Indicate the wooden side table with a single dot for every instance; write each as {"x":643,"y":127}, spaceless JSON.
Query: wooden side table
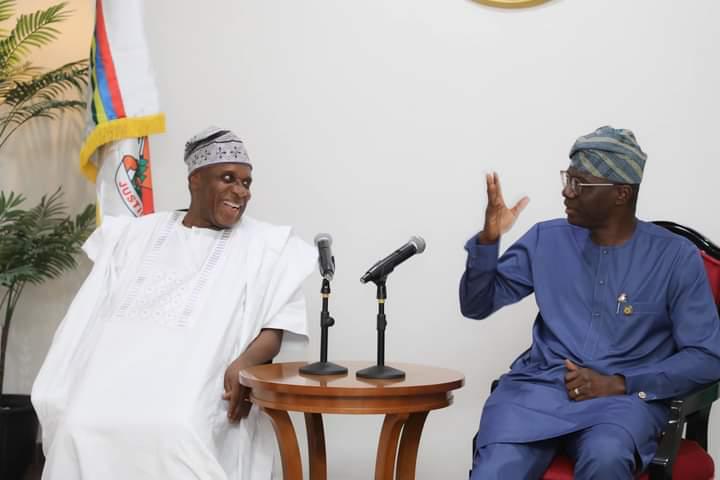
{"x":280,"y":388}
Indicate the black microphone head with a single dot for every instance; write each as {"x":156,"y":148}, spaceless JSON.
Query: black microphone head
{"x":324,"y":238}
{"x":326,"y":262}
{"x":418,"y":242}
{"x":381,"y":269}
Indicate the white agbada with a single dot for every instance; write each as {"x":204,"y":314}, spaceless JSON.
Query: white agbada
{"x":132,"y":385}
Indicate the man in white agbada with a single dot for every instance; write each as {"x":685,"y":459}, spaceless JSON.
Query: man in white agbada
{"x":141,"y":380}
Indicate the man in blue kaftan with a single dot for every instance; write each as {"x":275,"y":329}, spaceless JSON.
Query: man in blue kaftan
{"x":626,"y":321}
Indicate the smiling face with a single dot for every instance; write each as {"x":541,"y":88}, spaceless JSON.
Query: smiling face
{"x":219,"y":195}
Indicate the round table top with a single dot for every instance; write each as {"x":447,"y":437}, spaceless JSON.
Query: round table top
{"x":286,"y":378}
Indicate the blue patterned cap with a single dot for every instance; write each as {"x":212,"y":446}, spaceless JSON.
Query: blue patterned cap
{"x":214,"y":145}
{"x":609,"y":153}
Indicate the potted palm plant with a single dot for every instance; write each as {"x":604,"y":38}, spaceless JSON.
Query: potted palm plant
{"x":35,"y":245}
{"x":39,"y":243}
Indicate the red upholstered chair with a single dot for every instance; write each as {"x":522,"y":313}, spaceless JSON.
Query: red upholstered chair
{"x":682,"y":458}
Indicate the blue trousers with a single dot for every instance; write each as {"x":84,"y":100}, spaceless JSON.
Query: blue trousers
{"x":601,"y":452}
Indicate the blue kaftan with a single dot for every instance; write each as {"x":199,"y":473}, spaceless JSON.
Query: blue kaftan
{"x":664,"y":338}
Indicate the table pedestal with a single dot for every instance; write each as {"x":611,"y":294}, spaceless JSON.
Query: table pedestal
{"x":279,"y":388}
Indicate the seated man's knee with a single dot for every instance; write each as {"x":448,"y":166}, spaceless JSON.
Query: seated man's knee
{"x":608,"y":453}
{"x":513,"y":460}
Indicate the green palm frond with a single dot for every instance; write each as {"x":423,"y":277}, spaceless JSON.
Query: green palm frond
{"x":44,"y":109}
{"x":43,"y":217}
{"x":40,"y":243}
{"x":9,"y":202}
{"x":25,"y":91}
{"x":9,"y":207}
{"x":7,"y":7}
{"x":31,"y":30}
{"x":50,"y":85}
{"x":57,"y":252}
{"x":36,"y":98}
{"x":22,"y":72}
{"x":14,"y":275}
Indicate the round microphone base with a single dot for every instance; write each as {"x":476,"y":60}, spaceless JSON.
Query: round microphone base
{"x":323,"y":368}
{"x":382,"y":372}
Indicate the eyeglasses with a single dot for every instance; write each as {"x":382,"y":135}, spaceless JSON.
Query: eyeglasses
{"x":576,"y":185}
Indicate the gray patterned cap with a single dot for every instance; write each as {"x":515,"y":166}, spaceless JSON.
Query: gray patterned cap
{"x":609,"y":153}
{"x":214,"y":145}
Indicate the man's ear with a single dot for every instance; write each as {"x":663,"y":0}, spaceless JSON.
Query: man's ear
{"x":624,"y":195}
{"x":194,"y":181}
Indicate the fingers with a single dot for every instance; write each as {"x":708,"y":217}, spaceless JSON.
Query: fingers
{"x":233,"y":405}
{"x":496,"y":180}
{"x":227,"y":385}
{"x":577,"y":382}
{"x":571,"y":375}
{"x":570,"y":365}
{"x":581,"y":392}
{"x":245,"y":403}
{"x":580,"y":383}
{"x":242,"y":405}
{"x":227,"y":388}
{"x":492,"y":188}
{"x":498,"y":217}
{"x":582,"y":397}
{"x":495,"y":195}
{"x":576,"y":377}
{"x":520,"y":206}
{"x":490,"y":180}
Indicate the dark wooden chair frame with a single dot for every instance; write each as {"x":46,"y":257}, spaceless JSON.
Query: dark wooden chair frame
{"x":691,"y":412}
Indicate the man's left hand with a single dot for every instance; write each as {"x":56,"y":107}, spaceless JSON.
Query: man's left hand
{"x":584,"y":383}
{"x":236,"y":394}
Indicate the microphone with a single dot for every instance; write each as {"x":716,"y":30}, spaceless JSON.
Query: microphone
{"x":326,"y":262}
{"x":382,"y":268}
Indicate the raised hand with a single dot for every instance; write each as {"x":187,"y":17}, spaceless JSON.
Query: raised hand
{"x":584,"y":383}
{"x":498,"y":217}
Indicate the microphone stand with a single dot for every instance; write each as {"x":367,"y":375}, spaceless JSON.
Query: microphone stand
{"x":323,"y":367}
{"x":381,"y":371}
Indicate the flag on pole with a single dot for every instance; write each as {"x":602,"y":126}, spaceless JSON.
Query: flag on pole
{"x":124,"y":111}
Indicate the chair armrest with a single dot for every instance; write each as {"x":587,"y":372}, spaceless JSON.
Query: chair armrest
{"x":693,"y":408}
{"x":681,"y":408}
{"x":661,"y":466}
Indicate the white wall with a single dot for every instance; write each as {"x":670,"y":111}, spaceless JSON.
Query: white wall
{"x":376,"y":120}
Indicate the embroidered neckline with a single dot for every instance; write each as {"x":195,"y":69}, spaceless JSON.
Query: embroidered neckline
{"x":212,"y":260}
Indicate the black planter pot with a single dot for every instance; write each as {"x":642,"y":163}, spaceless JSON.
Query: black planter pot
{"x":18,"y":433}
